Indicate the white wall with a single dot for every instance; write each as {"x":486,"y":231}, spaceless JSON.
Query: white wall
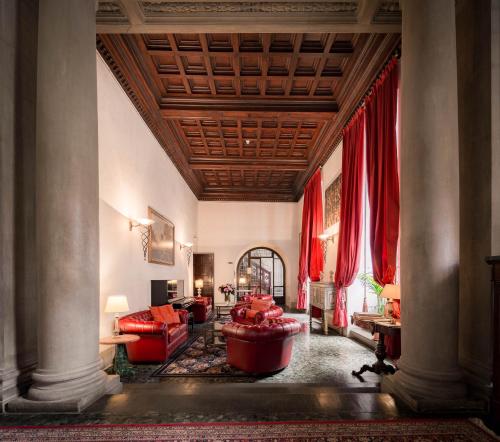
{"x":229,"y":229}
{"x":134,"y":173}
{"x":331,"y":170}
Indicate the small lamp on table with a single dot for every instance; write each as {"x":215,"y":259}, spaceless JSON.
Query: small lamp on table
{"x":390,"y":292}
{"x":116,"y":304}
{"x":198,"y":284}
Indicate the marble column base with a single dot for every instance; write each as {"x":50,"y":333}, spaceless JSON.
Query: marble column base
{"x":395,"y":385}
{"x":111,"y":385}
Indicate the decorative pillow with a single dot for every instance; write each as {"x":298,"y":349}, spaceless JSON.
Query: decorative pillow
{"x":250,"y":314}
{"x":157,"y":314}
{"x":165,"y":313}
{"x":261,"y":305}
{"x":170,"y":315}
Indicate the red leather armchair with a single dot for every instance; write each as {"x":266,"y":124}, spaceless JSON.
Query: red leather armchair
{"x":239,"y":313}
{"x":158,"y":340}
{"x":202,"y":308}
{"x":261,"y":348}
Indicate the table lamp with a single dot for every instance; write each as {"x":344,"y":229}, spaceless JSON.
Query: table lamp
{"x":198,"y":284}
{"x":390,"y":292}
{"x":116,"y":304}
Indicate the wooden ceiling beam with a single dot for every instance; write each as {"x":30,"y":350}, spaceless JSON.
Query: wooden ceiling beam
{"x":248,"y":105}
{"x":246,"y":164}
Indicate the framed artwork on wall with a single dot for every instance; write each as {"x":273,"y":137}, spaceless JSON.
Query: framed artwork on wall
{"x":332,"y":202}
{"x":161,"y":246}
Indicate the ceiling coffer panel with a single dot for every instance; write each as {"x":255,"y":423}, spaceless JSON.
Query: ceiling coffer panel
{"x":246,"y":116}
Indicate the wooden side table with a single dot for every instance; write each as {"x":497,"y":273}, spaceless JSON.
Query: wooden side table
{"x":380,"y":367}
{"x":121,"y":366}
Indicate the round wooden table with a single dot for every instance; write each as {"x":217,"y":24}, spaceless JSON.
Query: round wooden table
{"x":121,"y":366}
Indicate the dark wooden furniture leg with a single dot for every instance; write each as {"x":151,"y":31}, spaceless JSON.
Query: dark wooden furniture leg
{"x":379,"y":367}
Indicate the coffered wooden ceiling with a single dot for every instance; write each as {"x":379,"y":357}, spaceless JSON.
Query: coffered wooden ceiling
{"x":246,"y":116}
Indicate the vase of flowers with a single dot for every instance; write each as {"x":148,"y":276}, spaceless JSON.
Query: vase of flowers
{"x":227,"y":290}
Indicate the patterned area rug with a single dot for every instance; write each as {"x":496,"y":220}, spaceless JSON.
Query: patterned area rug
{"x":196,"y":360}
{"x":358,"y":431}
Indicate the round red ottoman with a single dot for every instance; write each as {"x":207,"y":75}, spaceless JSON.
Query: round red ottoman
{"x":260,"y":348}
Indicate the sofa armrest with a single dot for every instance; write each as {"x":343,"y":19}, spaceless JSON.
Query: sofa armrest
{"x":184,"y":315}
{"x":142,"y":327}
{"x":238,"y":312}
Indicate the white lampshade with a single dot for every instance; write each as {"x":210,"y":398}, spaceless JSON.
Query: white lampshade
{"x":198,"y":283}
{"x":242,"y":280}
{"x":391,"y":291}
{"x":116,"y":304}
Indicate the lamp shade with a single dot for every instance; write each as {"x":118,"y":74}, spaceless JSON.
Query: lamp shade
{"x":242,"y":280}
{"x":198,"y":283}
{"x":116,"y":304}
{"x":391,"y":291}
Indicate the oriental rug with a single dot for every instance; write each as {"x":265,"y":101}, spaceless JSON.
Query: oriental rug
{"x":308,"y":431}
{"x":200,"y":361}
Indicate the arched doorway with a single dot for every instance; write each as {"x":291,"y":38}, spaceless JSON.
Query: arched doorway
{"x":262,"y":270}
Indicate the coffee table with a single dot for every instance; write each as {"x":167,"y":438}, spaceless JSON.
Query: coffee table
{"x":213,"y":337}
{"x":224,"y":309}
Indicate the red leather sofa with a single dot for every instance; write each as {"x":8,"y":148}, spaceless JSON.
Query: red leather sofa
{"x":202,"y":308}
{"x":261,"y":348}
{"x":158,"y":340}
{"x":238,"y":314}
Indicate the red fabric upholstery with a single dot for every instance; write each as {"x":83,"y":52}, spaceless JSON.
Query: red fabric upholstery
{"x":351,"y":213}
{"x":239,"y":314}
{"x":261,"y":348}
{"x":311,"y":252}
{"x":202,"y":308}
{"x":158,"y":340}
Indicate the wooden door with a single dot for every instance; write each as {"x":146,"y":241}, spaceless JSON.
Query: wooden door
{"x":203,"y":268}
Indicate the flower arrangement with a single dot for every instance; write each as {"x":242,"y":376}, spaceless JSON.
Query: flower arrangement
{"x":227,"y":290}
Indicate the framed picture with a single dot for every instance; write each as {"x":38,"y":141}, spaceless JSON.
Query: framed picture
{"x":161,"y":247}
{"x":332,"y":202}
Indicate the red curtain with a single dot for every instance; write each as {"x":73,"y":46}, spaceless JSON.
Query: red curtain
{"x":351,"y":212}
{"x":382,"y":174}
{"x":311,"y":254}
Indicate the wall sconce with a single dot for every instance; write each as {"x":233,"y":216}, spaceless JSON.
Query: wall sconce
{"x":189,"y":250}
{"x":328,"y":235}
{"x":143,"y":225}
{"x":198,"y":285}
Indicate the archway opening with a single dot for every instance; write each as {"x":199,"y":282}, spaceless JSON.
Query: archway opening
{"x":262,"y":270}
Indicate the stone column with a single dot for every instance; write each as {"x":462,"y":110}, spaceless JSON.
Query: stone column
{"x":69,"y":375}
{"x":429,"y":372}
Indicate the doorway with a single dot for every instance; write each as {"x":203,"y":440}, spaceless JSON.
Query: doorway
{"x":262,"y":270}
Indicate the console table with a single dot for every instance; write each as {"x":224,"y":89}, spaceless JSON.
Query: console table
{"x":322,"y":300}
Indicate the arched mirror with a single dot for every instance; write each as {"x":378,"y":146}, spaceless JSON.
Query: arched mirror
{"x":261,"y":270}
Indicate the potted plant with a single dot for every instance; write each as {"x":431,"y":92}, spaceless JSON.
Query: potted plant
{"x":227,"y":290}
{"x":373,"y":287}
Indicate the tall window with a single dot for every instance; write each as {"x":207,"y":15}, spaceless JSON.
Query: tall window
{"x":261,"y":270}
